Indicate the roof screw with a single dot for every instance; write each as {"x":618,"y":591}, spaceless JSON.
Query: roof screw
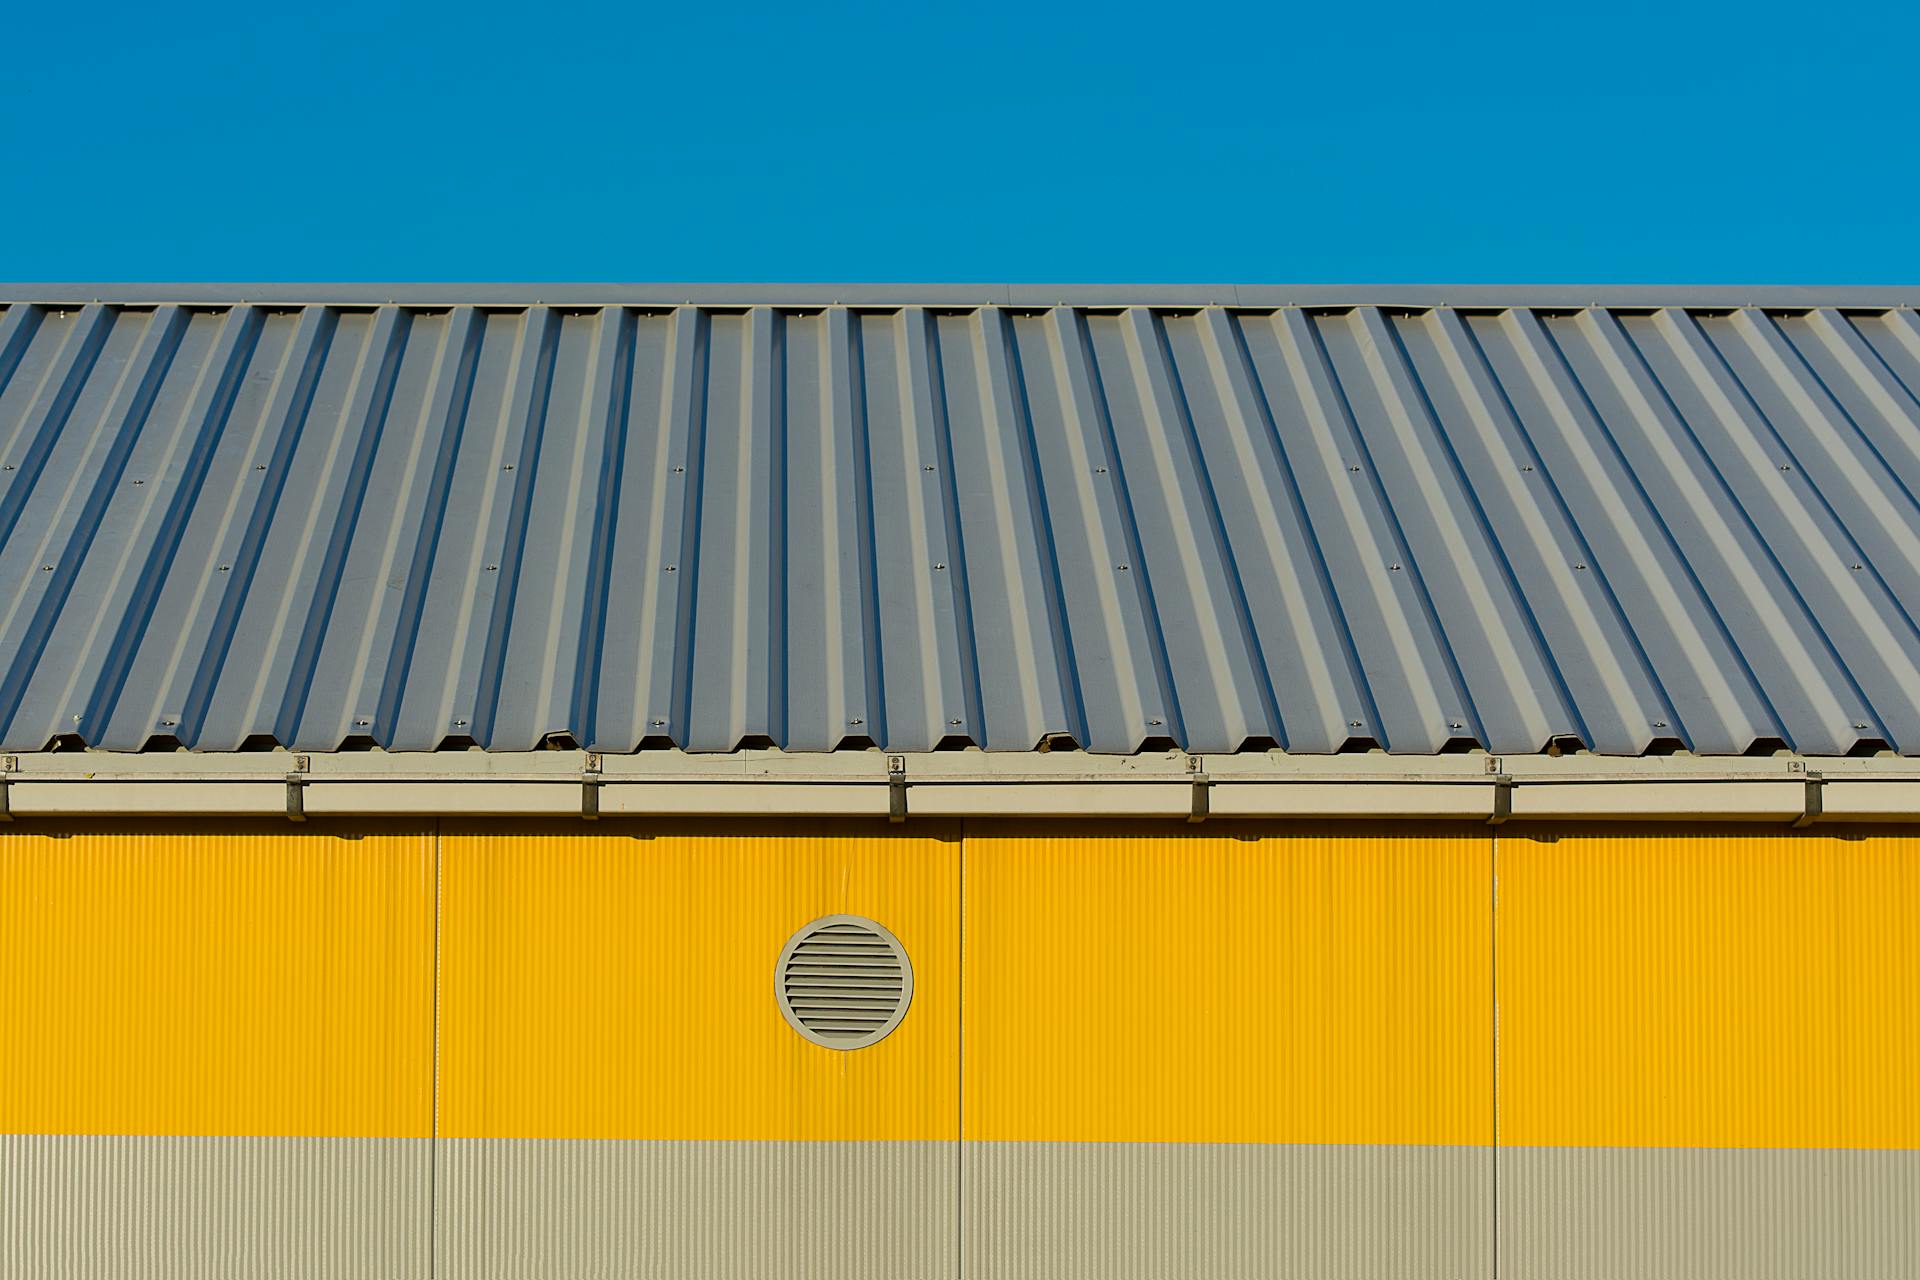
{"x":139,"y":481}
{"x":1659,"y":724}
{"x":1785,"y":467}
{"x":1526,"y":468}
{"x":856,"y":720}
{"x":1856,"y":568}
{"x":1099,"y":471}
{"x":1355,"y":470}
{"x":1579,"y":566}
{"x":362,"y":721}
{"x":926,"y":468}
{"x":939,"y":566}
{"x":1154,"y":720}
{"x":1122,"y":568}
{"x":673,"y":568}
{"x":6,"y":466}
{"x":1393,"y":568}
{"x":225,"y":567}
{"x":508,"y":467}
{"x":459,"y":724}
{"x":954,"y":724}
{"x":1859,"y":724}
{"x":168,"y":723}
{"x":659,"y":723}
{"x":46,"y":568}
{"x":260,"y":466}
{"x":678,"y":470}
{"x":1455,"y":724}
{"x":1353,"y":724}
{"x":492,"y":568}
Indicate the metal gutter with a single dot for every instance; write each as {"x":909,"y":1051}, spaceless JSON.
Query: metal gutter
{"x":1168,"y":785}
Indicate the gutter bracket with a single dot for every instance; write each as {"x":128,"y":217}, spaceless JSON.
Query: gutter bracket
{"x":296,"y":782}
{"x":896,"y":788}
{"x":1202,"y":790}
{"x":1815,"y":803}
{"x":1502,"y":799}
{"x":590,"y":784}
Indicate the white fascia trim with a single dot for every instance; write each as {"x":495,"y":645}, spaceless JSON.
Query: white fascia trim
{"x":562,"y":784}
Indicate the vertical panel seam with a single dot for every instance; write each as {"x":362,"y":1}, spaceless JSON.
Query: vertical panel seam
{"x":433,"y":1141}
{"x":960,"y":1071}
{"x":1493,"y":982}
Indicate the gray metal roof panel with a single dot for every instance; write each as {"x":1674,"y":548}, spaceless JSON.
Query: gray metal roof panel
{"x":318,"y":519}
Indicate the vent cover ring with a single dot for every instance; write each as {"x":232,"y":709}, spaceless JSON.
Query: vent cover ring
{"x":843,"y":982}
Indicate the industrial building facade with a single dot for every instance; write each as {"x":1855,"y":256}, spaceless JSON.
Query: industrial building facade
{"x":941,"y":782}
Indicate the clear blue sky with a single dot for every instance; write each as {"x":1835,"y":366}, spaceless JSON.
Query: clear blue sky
{"x":1613,"y":142}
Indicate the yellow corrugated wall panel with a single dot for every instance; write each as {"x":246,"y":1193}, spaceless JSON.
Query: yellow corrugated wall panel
{"x":603,"y":985}
{"x":1716,"y":987}
{"x":275,"y":981}
{"x":1311,"y":985}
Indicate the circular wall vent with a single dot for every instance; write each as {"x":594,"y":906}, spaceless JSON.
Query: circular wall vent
{"x":844,"y":982}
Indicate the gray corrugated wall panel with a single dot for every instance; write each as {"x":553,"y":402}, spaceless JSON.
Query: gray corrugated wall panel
{"x":214,"y":1208}
{"x":819,"y":525}
{"x":511,"y":1208}
{"x":1586,"y":1213}
{"x":1226,"y":1211}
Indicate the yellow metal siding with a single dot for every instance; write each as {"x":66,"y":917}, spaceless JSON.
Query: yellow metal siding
{"x":190,"y":981}
{"x":595,"y":984}
{"x":1307,"y":985}
{"x":1718,"y":987}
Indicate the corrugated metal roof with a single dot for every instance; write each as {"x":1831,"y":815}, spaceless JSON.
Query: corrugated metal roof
{"x":739,"y":520}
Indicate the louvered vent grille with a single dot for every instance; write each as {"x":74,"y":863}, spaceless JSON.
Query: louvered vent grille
{"x":844,"y":982}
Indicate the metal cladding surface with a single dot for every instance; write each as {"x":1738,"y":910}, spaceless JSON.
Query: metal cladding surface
{"x":127,"y":1207}
{"x":810,"y":525}
{"x":1137,"y":1050}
